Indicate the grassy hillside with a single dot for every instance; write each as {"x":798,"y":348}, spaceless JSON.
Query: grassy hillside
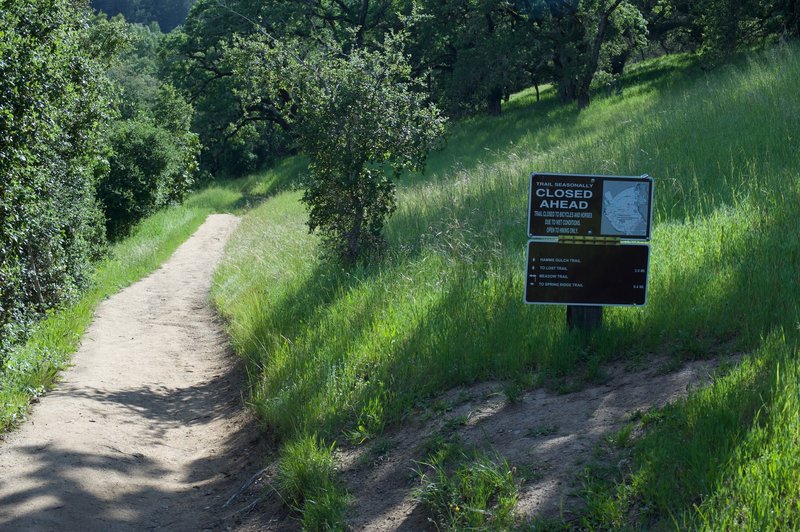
{"x":338,"y":352}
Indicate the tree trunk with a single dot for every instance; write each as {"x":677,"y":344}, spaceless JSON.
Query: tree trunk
{"x":585,"y":81}
{"x":568,"y":90}
{"x":362,"y":24}
{"x":583,"y":98}
{"x":354,"y":235}
{"x":494,"y":101}
{"x":618,"y":63}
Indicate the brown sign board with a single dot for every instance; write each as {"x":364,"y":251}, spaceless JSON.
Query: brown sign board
{"x":586,"y":274}
{"x":575,"y":205}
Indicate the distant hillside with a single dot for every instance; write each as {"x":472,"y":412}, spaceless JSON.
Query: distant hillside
{"x":168,"y":13}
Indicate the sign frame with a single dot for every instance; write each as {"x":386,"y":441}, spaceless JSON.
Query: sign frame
{"x":591,"y":178}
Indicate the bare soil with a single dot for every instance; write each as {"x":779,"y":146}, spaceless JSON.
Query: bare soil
{"x":148,"y":430}
{"x":548,"y":437}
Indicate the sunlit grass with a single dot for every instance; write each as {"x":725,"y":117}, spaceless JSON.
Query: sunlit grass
{"x":307,"y":481}
{"x":335,"y":351}
{"x":467,"y":490}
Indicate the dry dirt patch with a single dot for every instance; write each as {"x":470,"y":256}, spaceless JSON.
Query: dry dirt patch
{"x":147,"y":430}
{"x":552,"y":435}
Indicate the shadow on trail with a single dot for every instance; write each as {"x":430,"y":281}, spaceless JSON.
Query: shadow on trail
{"x":130,"y":489}
{"x":164,"y":407}
{"x":58,"y":488}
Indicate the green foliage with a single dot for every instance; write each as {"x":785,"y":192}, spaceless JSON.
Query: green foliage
{"x":307,"y":482}
{"x":627,"y":34}
{"x":153,"y":158}
{"x":135,"y":67}
{"x":575,"y":34}
{"x":241,"y":134}
{"x":148,"y":170}
{"x":362,"y":126}
{"x":478,"y":53}
{"x":468,"y":491}
{"x":730,"y":24}
{"x":54,"y":102}
{"x":360,"y":119}
{"x":194,"y":59}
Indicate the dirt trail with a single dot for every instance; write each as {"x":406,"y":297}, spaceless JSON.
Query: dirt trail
{"x":550,"y":436}
{"x":147,"y":430}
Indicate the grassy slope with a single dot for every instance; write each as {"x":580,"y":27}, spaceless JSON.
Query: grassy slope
{"x":34,"y":367}
{"x":333,"y":350}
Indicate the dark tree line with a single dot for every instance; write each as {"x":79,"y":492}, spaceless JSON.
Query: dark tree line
{"x":470,"y":54}
{"x":167,"y":13}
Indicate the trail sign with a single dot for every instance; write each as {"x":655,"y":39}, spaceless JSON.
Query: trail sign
{"x":575,"y":205}
{"x":586,"y":274}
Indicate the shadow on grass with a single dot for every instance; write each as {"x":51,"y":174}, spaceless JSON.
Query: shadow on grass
{"x":684,"y":459}
{"x":530,"y":125}
{"x":337,"y":358}
{"x":325,"y":369}
{"x":472,"y":324}
{"x":244,"y":193}
{"x":685,"y":455}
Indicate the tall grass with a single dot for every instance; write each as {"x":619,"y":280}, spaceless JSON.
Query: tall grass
{"x":334,"y":350}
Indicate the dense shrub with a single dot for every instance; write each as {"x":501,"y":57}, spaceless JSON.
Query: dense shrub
{"x":154,"y":155}
{"x":54,"y":100}
{"x":149,"y":168}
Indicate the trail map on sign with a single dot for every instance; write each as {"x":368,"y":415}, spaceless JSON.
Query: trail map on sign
{"x":625,"y":208}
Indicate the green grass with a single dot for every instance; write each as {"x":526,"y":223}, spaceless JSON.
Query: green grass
{"x":307,"y":483}
{"x":468,"y":491}
{"x":33,"y":367}
{"x":335,"y":350}
{"x":727,"y":457}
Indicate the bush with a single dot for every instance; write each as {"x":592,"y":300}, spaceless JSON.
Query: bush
{"x":149,"y":168}
{"x":359,"y":116}
{"x":464,"y":492}
{"x":307,"y":482}
{"x":53,"y":106}
{"x":364,"y":122}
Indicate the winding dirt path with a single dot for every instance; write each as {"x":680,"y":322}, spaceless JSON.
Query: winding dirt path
{"x":147,"y":431}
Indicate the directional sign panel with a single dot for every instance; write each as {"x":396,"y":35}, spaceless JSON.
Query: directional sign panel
{"x":590,"y":206}
{"x":586,"y":274}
